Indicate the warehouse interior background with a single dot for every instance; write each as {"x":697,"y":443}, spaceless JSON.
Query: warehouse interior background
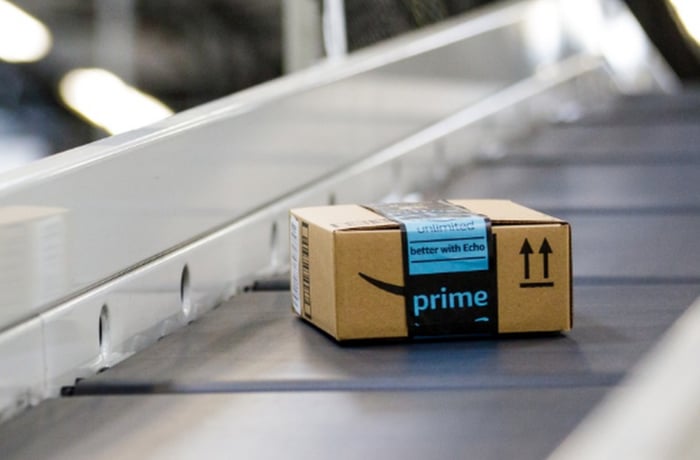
{"x":66,"y":68}
{"x":146,"y":278}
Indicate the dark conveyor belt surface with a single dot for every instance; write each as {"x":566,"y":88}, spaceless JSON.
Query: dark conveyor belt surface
{"x":250,"y":380}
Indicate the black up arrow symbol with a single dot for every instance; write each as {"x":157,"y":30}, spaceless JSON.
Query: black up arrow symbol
{"x":526,"y":250}
{"x":545,"y":250}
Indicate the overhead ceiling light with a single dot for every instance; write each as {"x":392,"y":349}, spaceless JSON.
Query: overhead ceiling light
{"x":22,"y":37}
{"x":688,"y":12}
{"x":105,"y":100}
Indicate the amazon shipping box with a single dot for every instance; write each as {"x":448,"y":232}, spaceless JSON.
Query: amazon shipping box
{"x":431,"y":269}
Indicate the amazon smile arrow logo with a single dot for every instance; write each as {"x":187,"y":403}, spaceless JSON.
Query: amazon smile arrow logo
{"x":383,"y":285}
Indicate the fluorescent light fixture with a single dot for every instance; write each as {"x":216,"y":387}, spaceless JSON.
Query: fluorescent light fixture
{"x":22,"y":37}
{"x":688,"y":12}
{"x":107,"y":101}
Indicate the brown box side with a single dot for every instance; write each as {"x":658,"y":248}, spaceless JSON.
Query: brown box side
{"x":365,"y":307}
{"x":537,"y":300}
{"x":321,"y":273}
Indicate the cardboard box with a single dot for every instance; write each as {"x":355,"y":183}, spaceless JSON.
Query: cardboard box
{"x":447,"y":268}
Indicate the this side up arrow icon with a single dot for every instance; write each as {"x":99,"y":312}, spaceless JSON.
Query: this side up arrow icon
{"x":545,"y":250}
{"x":526,"y":250}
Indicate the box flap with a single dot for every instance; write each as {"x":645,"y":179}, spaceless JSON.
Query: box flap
{"x":506,"y":211}
{"x":344,"y":217}
{"x":354,"y":217}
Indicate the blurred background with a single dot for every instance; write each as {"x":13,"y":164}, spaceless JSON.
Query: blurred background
{"x":72,"y":71}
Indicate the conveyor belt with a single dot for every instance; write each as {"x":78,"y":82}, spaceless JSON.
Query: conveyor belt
{"x":261,"y":383}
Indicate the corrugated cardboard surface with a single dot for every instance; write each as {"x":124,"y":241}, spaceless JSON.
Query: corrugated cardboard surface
{"x":363,"y":310}
{"x":523,"y":309}
{"x":533,"y":270}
